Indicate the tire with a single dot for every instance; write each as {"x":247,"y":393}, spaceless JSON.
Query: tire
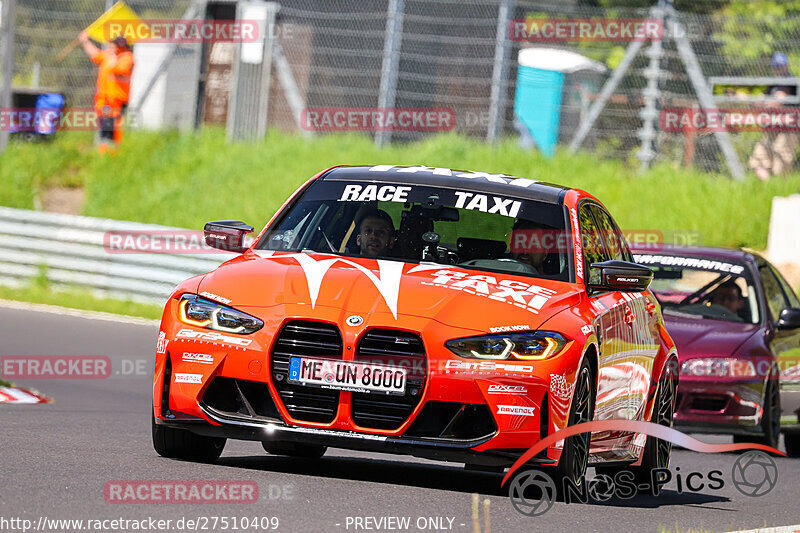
{"x":294,"y":449}
{"x":575,"y":455}
{"x":791,"y":439}
{"x":656,"y":453}
{"x":182,"y":444}
{"x":770,"y":420}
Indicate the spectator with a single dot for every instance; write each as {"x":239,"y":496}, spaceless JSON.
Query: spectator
{"x":774,"y":153}
{"x":113,"y":87}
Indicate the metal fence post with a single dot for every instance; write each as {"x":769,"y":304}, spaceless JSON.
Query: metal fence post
{"x":391,"y":63}
{"x":502,"y":51}
{"x":7,"y":42}
{"x":651,"y":94}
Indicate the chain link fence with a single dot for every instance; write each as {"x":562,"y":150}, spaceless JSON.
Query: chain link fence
{"x":463,"y":56}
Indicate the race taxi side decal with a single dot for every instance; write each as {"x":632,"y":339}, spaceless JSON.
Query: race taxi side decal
{"x":527,"y":296}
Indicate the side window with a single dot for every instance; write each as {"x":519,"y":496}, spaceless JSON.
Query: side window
{"x":772,"y":291}
{"x":593,"y":249}
{"x":612,"y":236}
{"x":787,"y":289}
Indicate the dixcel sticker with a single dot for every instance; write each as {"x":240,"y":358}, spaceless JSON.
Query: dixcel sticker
{"x":188,"y":378}
{"x":205,"y":358}
{"x":528,"y":296}
{"x":515,"y":410}
{"x":688,"y":262}
{"x":211,"y":336}
{"x":507,"y":389}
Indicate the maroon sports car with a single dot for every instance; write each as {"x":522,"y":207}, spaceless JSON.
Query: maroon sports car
{"x":736,"y":323}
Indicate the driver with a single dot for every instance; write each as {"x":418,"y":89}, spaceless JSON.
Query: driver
{"x":729,"y":296}
{"x":375,"y":233}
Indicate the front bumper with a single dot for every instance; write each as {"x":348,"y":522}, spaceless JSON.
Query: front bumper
{"x":731,"y":407}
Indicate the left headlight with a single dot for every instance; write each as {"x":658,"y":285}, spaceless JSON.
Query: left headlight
{"x":523,"y":346}
{"x":197,"y":311}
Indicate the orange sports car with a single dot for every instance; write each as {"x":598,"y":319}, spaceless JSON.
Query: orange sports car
{"x":452,"y":315}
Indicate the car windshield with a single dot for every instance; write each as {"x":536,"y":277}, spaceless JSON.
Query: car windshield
{"x":414,"y":223}
{"x":706,"y":288}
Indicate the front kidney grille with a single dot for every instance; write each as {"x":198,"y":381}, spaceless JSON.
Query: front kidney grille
{"x":392,"y":348}
{"x":314,"y":339}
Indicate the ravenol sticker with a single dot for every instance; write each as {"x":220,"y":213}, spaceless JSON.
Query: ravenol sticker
{"x":516,"y":410}
{"x":188,"y":378}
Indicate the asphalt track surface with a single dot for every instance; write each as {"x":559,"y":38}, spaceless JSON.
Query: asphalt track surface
{"x":56,"y":459}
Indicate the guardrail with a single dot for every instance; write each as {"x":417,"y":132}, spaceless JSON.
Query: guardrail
{"x":72,"y":252}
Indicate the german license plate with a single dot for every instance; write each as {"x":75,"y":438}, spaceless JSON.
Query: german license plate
{"x":347,"y":375}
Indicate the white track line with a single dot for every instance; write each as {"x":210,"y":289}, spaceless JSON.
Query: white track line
{"x":91,"y":315}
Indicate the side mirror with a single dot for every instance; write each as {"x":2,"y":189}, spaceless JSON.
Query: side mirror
{"x":619,"y":276}
{"x":227,"y":235}
{"x":789,"y":318}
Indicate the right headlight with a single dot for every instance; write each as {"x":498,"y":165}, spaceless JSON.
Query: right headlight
{"x":522,"y":346}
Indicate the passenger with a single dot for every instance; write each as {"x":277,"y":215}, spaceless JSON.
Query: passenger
{"x":528,"y":242}
{"x":375,"y":233}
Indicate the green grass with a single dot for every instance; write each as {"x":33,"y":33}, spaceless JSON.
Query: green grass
{"x":186,"y":180}
{"x":79,"y":299}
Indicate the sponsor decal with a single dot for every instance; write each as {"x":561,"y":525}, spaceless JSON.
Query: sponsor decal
{"x":216,"y":297}
{"x":576,"y":238}
{"x":586,"y":330}
{"x":336,"y":433}
{"x":493,"y":178}
{"x":354,"y":320}
{"x":527,"y":296}
{"x":372,"y":193}
{"x":689,"y":262}
{"x":480,"y":202}
{"x":211,"y":336}
{"x":504,"y":329}
{"x":487,"y":366}
{"x":507,"y":389}
{"x":161,"y":347}
{"x":516,"y":410}
{"x":205,"y":358}
{"x":188,"y":378}
{"x":387,"y":283}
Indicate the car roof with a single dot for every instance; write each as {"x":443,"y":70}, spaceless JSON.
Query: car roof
{"x":451,"y":179}
{"x":735,"y":254}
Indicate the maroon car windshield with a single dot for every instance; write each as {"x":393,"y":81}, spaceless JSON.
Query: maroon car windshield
{"x":703,"y":288}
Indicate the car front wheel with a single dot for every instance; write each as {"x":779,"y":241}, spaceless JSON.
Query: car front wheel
{"x":182,"y":444}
